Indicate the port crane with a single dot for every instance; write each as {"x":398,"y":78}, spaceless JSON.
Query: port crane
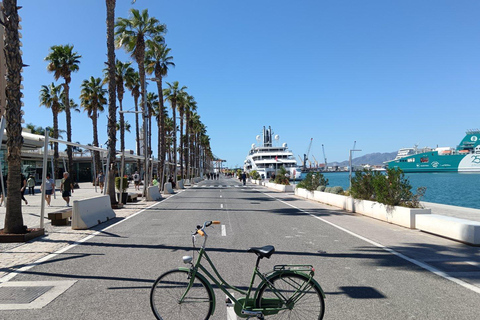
{"x":305,"y":155}
{"x":315,"y":161}
{"x":324,"y":157}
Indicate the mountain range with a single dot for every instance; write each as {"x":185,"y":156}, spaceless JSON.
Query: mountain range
{"x":373,"y":159}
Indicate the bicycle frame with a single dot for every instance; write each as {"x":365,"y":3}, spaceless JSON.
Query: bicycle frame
{"x":245,"y":306}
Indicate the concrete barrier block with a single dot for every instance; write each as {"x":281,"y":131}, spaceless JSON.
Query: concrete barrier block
{"x":168,"y":189}
{"x":187,"y":182}
{"x":463,"y":230}
{"x":153,"y":194}
{"x":89,"y":212}
{"x":180,"y":184}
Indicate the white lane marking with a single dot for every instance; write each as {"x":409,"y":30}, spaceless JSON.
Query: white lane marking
{"x":224,"y":230}
{"x":230,"y":309}
{"x":221,"y":205}
{"x":11,"y":275}
{"x":398,"y":254}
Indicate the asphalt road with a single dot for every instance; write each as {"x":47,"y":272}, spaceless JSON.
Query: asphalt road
{"x":115,"y":269}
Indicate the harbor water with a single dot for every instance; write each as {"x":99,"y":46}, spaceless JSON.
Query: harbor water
{"x":456,"y":189}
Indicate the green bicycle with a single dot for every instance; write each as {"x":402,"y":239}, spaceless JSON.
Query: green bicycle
{"x":286,"y":292}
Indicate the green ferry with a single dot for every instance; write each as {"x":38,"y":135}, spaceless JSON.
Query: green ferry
{"x":464,"y":158}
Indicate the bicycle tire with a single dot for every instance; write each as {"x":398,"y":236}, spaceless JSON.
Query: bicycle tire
{"x":169,"y":288}
{"x":310,"y":306}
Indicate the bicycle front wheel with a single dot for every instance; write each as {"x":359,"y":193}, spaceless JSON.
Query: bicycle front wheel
{"x":168,"y":290}
{"x":306,"y":304}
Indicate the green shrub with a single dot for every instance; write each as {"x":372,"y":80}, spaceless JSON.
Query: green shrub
{"x":312,"y":181}
{"x":336,"y":190}
{"x":392,"y":189}
{"x":362,"y":184}
{"x":117,"y":183}
{"x":255,"y":175}
{"x":280,"y":176}
{"x":328,"y":189}
{"x":321,"y":188}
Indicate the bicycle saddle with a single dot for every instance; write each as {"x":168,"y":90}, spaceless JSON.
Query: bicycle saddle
{"x":263,"y":252}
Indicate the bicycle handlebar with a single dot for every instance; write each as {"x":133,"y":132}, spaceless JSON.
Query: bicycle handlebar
{"x":201,"y":229}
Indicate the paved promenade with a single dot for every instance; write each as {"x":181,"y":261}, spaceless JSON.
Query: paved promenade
{"x":17,"y":255}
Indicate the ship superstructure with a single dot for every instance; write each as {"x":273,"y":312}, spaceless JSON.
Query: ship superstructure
{"x":266,"y":158}
{"x":464,"y":158}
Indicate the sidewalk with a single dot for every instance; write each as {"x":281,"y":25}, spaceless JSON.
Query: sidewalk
{"x":17,"y":255}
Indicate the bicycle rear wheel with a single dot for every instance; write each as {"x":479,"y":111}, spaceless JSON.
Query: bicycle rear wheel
{"x":168,"y":290}
{"x":310,"y":304}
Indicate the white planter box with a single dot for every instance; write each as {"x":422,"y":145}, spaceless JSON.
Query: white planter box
{"x":401,"y":216}
{"x":279,"y":187}
{"x":454,"y":228}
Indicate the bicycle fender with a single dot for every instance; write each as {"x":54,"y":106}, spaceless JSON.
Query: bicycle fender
{"x":207,"y":284}
{"x":275,"y":273}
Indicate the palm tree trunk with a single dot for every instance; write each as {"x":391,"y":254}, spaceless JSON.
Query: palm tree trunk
{"x":55,"y":145}
{"x":13,"y":59}
{"x":98,"y":162}
{"x":161,"y":126}
{"x":187,"y":146}
{"x":181,"y":143}
{"x":137,"y":131}
{"x":140,"y":59}
{"x":112,"y":110}
{"x":149,"y":154}
{"x":174,"y":117}
{"x":68,"y":116}
{"x":159,"y":154}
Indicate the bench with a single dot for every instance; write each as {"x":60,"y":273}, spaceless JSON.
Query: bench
{"x":463,"y":230}
{"x":60,"y":218}
{"x":132,"y":197}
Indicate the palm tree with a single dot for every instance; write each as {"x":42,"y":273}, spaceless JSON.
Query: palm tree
{"x":126,"y":126}
{"x":93,"y":99}
{"x":171,"y":94}
{"x":121,"y":69}
{"x":190,"y":107}
{"x":51,"y":97}
{"x":157,"y":62}
{"x":152,"y":105}
{"x":181,"y":102}
{"x":112,"y":86}
{"x":199,"y":130}
{"x":35,"y":129}
{"x":132,"y":82}
{"x":13,"y":61}
{"x":132,"y":34}
{"x":159,"y":112}
{"x":169,"y":129}
{"x":62,"y":62}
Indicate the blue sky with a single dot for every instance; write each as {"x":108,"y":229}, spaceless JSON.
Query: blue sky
{"x":388,"y":74}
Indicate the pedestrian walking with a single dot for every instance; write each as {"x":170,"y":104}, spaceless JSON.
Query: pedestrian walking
{"x":31,"y":185}
{"x":23,"y":186}
{"x":244,"y":177}
{"x":49,"y":187}
{"x":136,"y":180}
{"x":67,"y":188}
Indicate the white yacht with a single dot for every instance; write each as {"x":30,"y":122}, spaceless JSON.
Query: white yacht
{"x":266,"y":158}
